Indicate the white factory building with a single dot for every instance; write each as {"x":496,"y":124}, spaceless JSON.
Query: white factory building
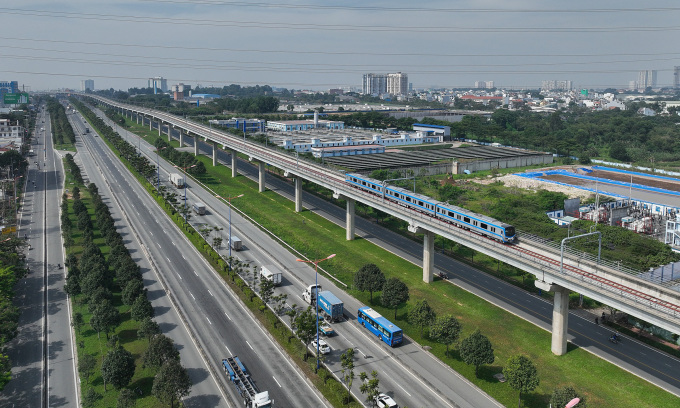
{"x":405,"y":139}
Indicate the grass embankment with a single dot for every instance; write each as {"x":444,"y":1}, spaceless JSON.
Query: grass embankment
{"x":87,"y":340}
{"x":601,"y":382}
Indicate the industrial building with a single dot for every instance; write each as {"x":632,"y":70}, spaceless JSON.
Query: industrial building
{"x":320,"y":152}
{"x":444,"y":131}
{"x":247,"y":125}
{"x":332,"y":141}
{"x":301,"y":125}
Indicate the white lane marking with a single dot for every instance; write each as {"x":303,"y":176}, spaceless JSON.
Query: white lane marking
{"x":403,"y":389}
{"x":184,"y":257}
{"x":277,"y":382}
{"x":149,"y":231}
{"x":195,"y":273}
{"x":228,"y":351}
{"x":225,"y":313}
{"x":168,"y":259}
{"x":210,"y":292}
{"x":251,"y":347}
{"x":180,"y":277}
{"x":206,"y":318}
{"x":173,"y":243}
{"x":192,"y":295}
{"x":360,"y":351}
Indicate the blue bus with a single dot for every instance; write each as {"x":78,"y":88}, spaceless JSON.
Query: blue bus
{"x":381,"y":327}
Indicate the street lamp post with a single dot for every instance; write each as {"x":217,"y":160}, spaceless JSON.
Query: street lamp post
{"x":316,"y":297}
{"x":229,"y":201}
{"x":158,"y":170}
{"x":184,"y":170}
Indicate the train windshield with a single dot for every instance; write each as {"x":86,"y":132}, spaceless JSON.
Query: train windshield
{"x":509,"y":231}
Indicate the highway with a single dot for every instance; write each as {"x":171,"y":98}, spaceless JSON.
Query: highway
{"x":408,"y":373}
{"x":43,"y":369}
{"x":648,"y":363}
{"x":222,"y":326}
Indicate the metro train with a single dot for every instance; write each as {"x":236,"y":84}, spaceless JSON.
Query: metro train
{"x":458,"y":216}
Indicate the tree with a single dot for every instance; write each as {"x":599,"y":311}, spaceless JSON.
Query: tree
{"x":141,"y":309}
{"x":562,"y":395}
{"x":394,"y":293}
{"x":104,"y":318}
{"x":148,"y":328}
{"x":370,"y":387}
{"x":347,"y":362}
{"x":305,"y":323}
{"x":86,"y":365}
{"x":132,"y":290}
{"x":91,"y":397}
{"x":521,"y":375}
{"x":5,"y":370}
{"x":118,"y":368}
{"x":476,"y":350}
{"x":171,"y":383}
{"x":421,"y":315}
{"x":77,"y":321}
{"x":446,"y":330}
{"x":126,"y":399}
{"x":161,"y":350}
{"x":9,"y":318}
{"x":266,"y":290}
{"x":369,"y":278}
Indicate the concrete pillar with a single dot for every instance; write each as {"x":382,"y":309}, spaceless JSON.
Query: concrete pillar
{"x":195,"y":145}
{"x":214,"y":149}
{"x":234,"y":161}
{"x":137,"y":117}
{"x":298,"y":194}
{"x":260,"y":166}
{"x":560,"y":323}
{"x":349,"y":219}
{"x":428,"y":256}
{"x":150,"y":123}
{"x":160,"y":126}
{"x":181,"y":137}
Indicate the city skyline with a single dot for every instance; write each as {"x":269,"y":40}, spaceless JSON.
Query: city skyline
{"x":122,"y":45}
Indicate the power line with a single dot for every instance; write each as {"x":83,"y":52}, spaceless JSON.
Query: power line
{"x":411,"y":9}
{"x":332,"y":27}
{"x":301,"y":68}
{"x":344,"y":53}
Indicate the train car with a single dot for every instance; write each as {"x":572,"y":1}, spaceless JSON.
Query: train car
{"x":458,"y":216}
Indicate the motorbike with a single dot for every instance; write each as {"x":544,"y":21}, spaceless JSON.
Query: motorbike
{"x":615,"y":339}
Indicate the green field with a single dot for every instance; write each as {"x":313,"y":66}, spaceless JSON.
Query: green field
{"x":602,"y":383}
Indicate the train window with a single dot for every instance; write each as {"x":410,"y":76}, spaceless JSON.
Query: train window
{"x":420,"y":203}
{"x":484,"y":226}
{"x":466,"y":219}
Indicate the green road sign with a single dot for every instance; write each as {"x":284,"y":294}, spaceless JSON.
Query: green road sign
{"x":15,"y":98}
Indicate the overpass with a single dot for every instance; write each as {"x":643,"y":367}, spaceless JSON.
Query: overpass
{"x":653,"y":303}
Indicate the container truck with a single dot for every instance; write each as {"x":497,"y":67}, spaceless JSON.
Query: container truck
{"x":177,"y":180}
{"x":235,"y":243}
{"x":272,"y":273}
{"x":237,"y":373}
{"x":330,"y":304}
{"x":199,"y":208}
{"x":309,"y":295}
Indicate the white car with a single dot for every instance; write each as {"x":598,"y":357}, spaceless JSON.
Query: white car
{"x":323,"y":346}
{"x":385,"y":401}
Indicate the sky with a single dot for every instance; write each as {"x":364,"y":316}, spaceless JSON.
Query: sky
{"x":316,"y":44}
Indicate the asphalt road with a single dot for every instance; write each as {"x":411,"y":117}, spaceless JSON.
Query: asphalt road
{"x":646,"y":362}
{"x":43,"y":369}
{"x":223,"y":326}
{"x":408,"y":373}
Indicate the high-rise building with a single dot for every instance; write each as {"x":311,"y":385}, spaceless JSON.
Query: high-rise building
{"x":553,"y":85}
{"x":397,"y":84}
{"x":646,"y":79}
{"x":158,"y":83}
{"x":484,"y":84}
{"x":374,"y":84}
{"x":676,"y":77}
{"x":87,"y":84}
